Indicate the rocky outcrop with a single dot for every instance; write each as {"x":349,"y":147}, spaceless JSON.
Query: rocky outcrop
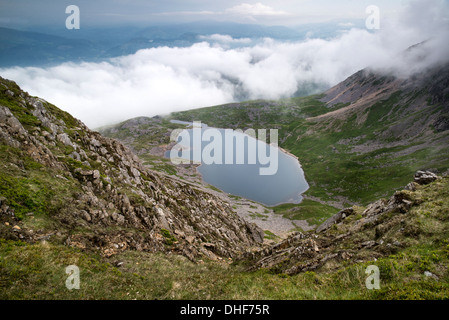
{"x":117,"y":202}
{"x":336,"y":218}
{"x":349,"y":235}
{"x":425,"y":177}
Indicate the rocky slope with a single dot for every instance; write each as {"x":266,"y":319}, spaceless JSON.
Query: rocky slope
{"x":62,"y":182}
{"x":143,"y":135}
{"x":427,"y":89}
{"x":356,"y":234}
{"x":68,"y":193}
{"x":378,"y":130}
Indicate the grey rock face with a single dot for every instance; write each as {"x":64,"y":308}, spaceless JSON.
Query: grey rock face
{"x":336,"y":218}
{"x":425,"y":177}
{"x":368,"y":236}
{"x":118,"y":199}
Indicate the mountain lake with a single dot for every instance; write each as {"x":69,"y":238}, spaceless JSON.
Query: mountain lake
{"x":242,"y":178}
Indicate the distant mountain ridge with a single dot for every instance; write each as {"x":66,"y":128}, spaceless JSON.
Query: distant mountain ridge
{"x":51,"y":46}
{"x":24,"y":48}
{"x":368,"y":85}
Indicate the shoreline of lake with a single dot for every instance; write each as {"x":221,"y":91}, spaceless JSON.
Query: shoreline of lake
{"x":281,"y":180}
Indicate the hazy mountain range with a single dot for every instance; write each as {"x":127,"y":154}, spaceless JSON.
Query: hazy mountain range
{"x":51,"y":46}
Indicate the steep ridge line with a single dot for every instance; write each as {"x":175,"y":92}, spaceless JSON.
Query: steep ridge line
{"x":92,"y":192}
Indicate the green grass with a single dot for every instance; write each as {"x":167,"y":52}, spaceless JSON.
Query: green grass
{"x":313,"y":212}
{"x":258,"y":215}
{"x":34,"y":188}
{"x":159,"y":164}
{"x":270,"y":235}
{"x":23,"y":114}
{"x":331,"y":167}
{"x":169,"y":238}
{"x":38,"y":272}
{"x":255,"y":114}
{"x":213,"y":188}
{"x":165,"y":167}
{"x":380,"y":111}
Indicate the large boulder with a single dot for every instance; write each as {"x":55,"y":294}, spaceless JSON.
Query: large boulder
{"x":425,"y":177}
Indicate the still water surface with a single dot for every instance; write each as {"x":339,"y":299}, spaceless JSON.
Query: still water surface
{"x":245,"y":180}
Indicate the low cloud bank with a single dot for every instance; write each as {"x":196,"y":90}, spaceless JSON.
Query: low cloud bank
{"x":161,"y":80}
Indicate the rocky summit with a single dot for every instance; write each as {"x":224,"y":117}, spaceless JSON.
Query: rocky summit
{"x":76,"y":187}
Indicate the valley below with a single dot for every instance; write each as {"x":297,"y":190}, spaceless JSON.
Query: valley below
{"x":374,"y":150}
{"x":275,"y":225}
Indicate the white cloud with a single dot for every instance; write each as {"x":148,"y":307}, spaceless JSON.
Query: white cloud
{"x":226,"y":39}
{"x":161,"y":80}
{"x":241,"y":12}
{"x":187,"y":13}
{"x":257,"y":9}
{"x":346,"y":24}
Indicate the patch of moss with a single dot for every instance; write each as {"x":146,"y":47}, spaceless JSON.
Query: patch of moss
{"x":311,"y":211}
{"x":270,"y":235}
{"x":168,"y":237}
{"x":23,"y":114}
{"x":69,"y":121}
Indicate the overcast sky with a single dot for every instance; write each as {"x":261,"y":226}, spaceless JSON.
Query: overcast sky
{"x":161,"y":80}
{"x":27,"y":13}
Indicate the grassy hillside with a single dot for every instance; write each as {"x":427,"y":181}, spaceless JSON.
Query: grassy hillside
{"x":109,"y":214}
{"x":84,"y":195}
{"x":37,"y":271}
{"x":351,"y":158}
{"x":359,"y":141}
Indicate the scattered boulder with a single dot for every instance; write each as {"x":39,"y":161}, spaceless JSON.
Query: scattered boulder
{"x":65,"y":139}
{"x":376,"y":233}
{"x":336,"y":218}
{"x":429,"y":274}
{"x":411,"y":186}
{"x":425,"y":177}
